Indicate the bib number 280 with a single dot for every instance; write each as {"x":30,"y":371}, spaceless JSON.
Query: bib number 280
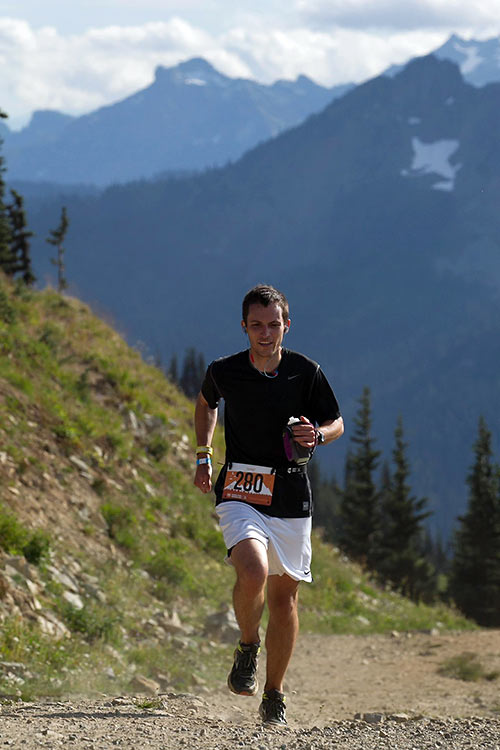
{"x":253,"y":484}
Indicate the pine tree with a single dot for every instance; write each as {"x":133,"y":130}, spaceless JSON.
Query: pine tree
{"x":193,"y":372}
{"x":327,"y":495}
{"x":5,"y":249}
{"x":400,"y":557}
{"x":19,"y":239}
{"x":359,"y":501}
{"x":56,"y":238}
{"x":475,"y":574}
{"x":173,"y":370}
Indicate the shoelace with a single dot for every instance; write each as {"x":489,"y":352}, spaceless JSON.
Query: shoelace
{"x":247,"y":660}
{"x":277,"y":707}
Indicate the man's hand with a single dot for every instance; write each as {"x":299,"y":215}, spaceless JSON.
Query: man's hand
{"x":304,"y":433}
{"x":203,"y":477}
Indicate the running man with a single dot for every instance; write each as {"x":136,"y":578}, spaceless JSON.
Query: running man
{"x":263,"y":494}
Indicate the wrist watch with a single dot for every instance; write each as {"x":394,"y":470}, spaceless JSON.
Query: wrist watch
{"x":320,"y":437}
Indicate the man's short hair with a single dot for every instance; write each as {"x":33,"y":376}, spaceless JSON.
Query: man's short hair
{"x":264,"y":294}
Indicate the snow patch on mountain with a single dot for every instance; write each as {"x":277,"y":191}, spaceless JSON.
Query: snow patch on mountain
{"x":434,"y":158}
{"x":472,"y":57}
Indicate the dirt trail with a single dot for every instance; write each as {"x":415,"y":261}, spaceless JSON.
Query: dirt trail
{"x":336,"y":677}
{"x":390,"y":682}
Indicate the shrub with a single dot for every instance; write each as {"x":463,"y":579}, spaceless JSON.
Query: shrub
{"x":13,"y":536}
{"x":15,"y":539}
{"x":91,"y":621}
{"x":157,"y":447}
{"x":37,"y":548}
{"x":121,"y":524}
{"x":7,"y":311}
{"x":466,"y":667}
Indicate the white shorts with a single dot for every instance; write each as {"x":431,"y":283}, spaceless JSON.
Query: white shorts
{"x":287,"y":540}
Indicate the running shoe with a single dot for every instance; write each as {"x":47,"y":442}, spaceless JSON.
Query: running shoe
{"x":242,"y":679}
{"x":272,"y":710}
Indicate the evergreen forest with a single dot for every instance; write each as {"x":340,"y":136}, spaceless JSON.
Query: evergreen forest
{"x":376,"y":520}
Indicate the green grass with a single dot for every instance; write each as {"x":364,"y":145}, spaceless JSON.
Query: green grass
{"x":343,"y":599}
{"x":149,"y":704}
{"x":15,"y":539}
{"x":467,"y":667}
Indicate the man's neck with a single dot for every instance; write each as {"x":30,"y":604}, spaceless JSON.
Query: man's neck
{"x":265,"y":364}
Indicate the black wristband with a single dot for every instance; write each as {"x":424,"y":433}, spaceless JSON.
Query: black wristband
{"x":320,"y":437}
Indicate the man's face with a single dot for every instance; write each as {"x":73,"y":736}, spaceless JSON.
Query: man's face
{"x":265,"y":327}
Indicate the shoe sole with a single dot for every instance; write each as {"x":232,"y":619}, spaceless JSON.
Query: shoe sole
{"x":272,"y":722}
{"x":242,"y":692}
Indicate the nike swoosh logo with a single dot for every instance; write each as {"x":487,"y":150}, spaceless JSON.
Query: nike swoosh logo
{"x":291,"y":377}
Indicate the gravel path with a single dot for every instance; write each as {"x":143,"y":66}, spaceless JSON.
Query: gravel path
{"x":183,"y":722}
{"x":344,"y":692}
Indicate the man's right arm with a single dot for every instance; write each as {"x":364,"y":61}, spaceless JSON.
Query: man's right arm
{"x":205,"y":420}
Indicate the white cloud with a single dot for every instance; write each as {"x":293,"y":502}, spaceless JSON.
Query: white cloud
{"x":394,"y":14}
{"x":44,"y":68}
{"x":79,"y":72}
{"x":327,"y":57}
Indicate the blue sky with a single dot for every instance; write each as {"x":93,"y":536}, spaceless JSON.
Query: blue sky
{"x":76,"y":55}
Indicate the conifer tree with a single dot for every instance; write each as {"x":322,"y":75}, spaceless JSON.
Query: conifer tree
{"x":19,"y":239}
{"x":327,"y":495}
{"x":475,"y":574}
{"x":358,"y":508}
{"x":173,"y":370}
{"x":193,"y":371}
{"x":400,"y":557}
{"x":56,"y":238}
{"x":5,"y":249}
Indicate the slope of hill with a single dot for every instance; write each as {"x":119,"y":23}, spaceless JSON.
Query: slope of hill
{"x":190,"y":118}
{"x":110,"y":563}
{"x":378,"y":217}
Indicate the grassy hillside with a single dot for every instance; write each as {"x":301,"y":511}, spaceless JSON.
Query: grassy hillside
{"x":110,"y":561}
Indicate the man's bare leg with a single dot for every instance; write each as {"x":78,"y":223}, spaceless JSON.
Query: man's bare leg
{"x":282,"y":630}
{"x":249,"y":558}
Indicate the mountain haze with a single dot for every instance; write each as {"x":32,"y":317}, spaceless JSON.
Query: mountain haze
{"x":191,"y":117}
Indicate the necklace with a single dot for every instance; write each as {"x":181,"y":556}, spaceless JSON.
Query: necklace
{"x":263,"y":372}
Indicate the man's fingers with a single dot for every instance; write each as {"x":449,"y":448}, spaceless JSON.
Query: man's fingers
{"x":203,"y":479}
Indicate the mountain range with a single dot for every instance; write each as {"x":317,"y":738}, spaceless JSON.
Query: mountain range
{"x":379,"y":219}
{"x":191,"y":117}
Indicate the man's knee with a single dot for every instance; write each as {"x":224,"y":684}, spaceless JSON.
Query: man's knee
{"x":252,"y":575}
{"x":250,"y":561}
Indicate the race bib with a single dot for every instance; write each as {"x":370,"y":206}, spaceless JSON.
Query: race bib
{"x":253,"y":484}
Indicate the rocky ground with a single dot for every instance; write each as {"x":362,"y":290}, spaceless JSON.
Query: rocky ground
{"x":361,"y":693}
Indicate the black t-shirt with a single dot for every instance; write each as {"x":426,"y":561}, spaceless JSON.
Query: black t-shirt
{"x":256,"y":411}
